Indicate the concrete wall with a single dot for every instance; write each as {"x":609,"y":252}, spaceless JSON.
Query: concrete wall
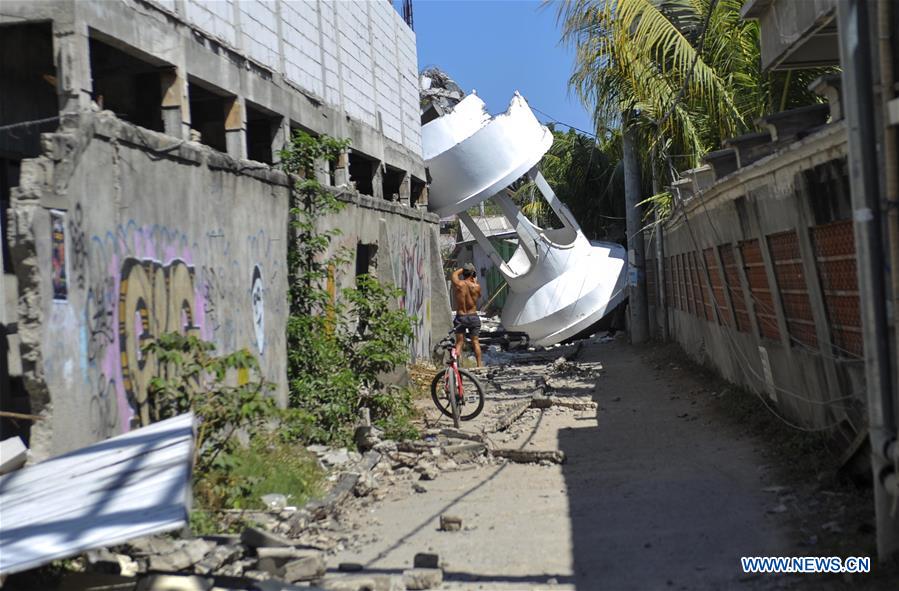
{"x":760,"y":284}
{"x":407,"y":255}
{"x":348,"y":69}
{"x":117,"y":238}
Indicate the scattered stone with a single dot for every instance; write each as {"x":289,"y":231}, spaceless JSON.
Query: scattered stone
{"x":364,"y":486}
{"x":103,"y":561}
{"x":450,"y":523}
{"x":259,"y":538}
{"x":552,"y":581}
{"x":257,"y":575}
{"x":273,"y":560}
{"x":513,"y":412}
{"x":220,"y":556}
{"x":349,"y":567}
{"x":426,"y":560}
{"x":308,"y":568}
{"x":186,"y":554}
{"x":444,"y":464}
{"x":465,"y":451}
{"x":423,"y":578}
{"x":419,"y":488}
{"x":335,"y":457}
{"x":174,"y":583}
{"x":780,"y":508}
{"x":427,"y":471}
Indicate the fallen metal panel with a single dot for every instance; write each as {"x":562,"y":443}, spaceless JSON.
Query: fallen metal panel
{"x":128,"y":486}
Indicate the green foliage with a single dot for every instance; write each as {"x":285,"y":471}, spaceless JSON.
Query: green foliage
{"x":193,"y":379}
{"x":339,"y":344}
{"x":394,"y":412}
{"x":586,"y":175}
{"x":684,"y":86}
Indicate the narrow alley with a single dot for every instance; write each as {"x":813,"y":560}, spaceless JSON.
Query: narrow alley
{"x":695,"y":494}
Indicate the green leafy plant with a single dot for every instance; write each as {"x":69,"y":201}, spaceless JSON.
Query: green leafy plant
{"x":193,"y":379}
{"x":339,"y":344}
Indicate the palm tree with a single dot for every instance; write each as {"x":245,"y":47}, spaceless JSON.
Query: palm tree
{"x":585,"y":174}
{"x":686,"y":73}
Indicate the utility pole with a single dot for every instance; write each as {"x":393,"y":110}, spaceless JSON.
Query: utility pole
{"x":636,"y":272}
{"x":661,"y":296}
{"x":858,"y":98}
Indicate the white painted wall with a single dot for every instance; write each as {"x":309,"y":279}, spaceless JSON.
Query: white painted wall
{"x":355,"y":54}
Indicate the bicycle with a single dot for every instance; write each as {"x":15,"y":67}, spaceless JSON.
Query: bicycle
{"x":453,"y":387}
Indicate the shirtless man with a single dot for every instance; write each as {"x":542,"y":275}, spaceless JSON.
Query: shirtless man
{"x":467,"y":291}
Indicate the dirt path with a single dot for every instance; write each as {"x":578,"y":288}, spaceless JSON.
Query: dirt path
{"x":655,"y":494}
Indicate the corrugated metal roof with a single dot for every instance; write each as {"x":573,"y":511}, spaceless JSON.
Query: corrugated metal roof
{"x":128,"y":486}
{"x":492,"y":227}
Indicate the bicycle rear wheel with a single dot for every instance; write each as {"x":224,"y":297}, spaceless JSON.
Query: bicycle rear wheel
{"x":472,"y":391}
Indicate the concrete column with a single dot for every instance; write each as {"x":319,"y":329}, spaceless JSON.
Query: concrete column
{"x":377,"y":182}
{"x":342,"y":169}
{"x":280,"y":138}
{"x":71,"y":52}
{"x":235,"y":128}
{"x":406,"y":190}
{"x":173,"y":98}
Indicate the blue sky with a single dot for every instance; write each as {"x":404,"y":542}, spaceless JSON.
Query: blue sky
{"x":498,"y":47}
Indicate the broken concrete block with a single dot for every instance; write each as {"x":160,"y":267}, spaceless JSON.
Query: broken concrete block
{"x":13,"y":453}
{"x":273,"y":560}
{"x":423,"y":578}
{"x":185,"y":555}
{"x":427,"y":471}
{"x":174,"y":583}
{"x":450,"y":523}
{"x":103,"y":561}
{"x":257,"y":538}
{"x":308,"y":568}
{"x":426,"y":560}
{"x":220,"y":556}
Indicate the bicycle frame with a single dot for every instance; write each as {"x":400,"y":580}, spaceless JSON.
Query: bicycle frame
{"x":453,"y":364}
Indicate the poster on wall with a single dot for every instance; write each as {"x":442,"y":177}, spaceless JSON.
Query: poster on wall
{"x":58,"y":254}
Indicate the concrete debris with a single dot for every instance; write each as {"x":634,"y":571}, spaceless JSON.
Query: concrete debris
{"x":174,"y":583}
{"x":350,"y":567}
{"x":450,"y":523}
{"x":438,"y":92}
{"x":256,"y":537}
{"x":531,"y":456}
{"x":423,"y":578}
{"x":427,"y":471}
{"x":308,"y":568}
{"x":426,"y":560}
{"x":13,"y":454}
{"x":419,"y":488}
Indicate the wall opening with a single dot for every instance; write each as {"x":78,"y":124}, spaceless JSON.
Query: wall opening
{"x":362,"y":172}
{"x":127,"y":83}
{"x":366,"y":259}
{"x":29,"y":88}
{"x":417,"y":191}
{"x":262,"y":128}
{"x":208,"y":108}
{"x":827,"y":187}
{"x":392,"y":183}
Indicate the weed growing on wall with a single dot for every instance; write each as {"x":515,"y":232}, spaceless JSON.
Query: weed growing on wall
{"x":337,"y":346}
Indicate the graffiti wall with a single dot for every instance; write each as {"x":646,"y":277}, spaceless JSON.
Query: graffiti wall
{"x":184,"y":242}
{"x":408,"y":256}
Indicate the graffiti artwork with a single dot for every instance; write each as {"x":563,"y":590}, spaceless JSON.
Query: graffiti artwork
{"x":58,"y":255}
{"x":153,"y":299}
{"x":78,"y":245}
{"x":257,"y":293}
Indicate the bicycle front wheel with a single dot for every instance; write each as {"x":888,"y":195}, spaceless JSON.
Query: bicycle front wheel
{"x":473,"y":394}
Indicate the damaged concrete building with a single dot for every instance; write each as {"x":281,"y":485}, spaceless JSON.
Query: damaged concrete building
{"x":138,"y":144}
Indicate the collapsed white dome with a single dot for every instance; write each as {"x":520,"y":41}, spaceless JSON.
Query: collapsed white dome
{"x":559,"y":282}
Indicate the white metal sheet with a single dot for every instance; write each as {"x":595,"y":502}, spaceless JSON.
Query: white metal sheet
{"x":133,"y":485}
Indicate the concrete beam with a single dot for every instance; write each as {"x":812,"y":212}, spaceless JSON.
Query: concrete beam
{"x":236,"y":127}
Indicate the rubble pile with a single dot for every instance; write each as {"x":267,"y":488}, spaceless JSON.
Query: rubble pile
{"x":438,"y":92}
